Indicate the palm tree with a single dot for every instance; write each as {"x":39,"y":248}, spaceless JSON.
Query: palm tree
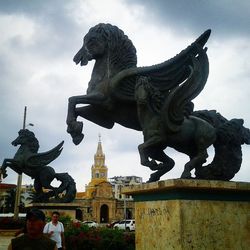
{"x":33,"y":196}
{"x":2,"y":204}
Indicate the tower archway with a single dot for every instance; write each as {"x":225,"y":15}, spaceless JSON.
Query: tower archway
{"x":104,"y":214}
{"x":79,"y":215}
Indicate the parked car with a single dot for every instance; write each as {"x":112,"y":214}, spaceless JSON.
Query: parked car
{"x":113,"y":223}
{"x":90,"y":223}
{"x":128,"y":225}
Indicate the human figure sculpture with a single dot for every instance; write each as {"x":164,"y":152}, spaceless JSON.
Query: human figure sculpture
{"x":27,"y":160}
{"x":156,"y":100}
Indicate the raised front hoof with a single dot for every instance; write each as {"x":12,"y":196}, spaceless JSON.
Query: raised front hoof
{"x":77,"y":138}
{"x":75,"y":127}
{"x":75,"y":130}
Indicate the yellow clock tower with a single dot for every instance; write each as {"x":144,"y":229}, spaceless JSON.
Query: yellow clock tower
{"x":99,"y":171}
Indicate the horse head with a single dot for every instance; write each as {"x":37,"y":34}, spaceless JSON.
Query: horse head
{"x":113,"y":52}
{"x":106,"y":40}
{"x":27,"y":138}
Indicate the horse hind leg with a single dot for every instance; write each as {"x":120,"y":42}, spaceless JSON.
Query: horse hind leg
{"x":166,"y":162}
{"x":39,"y":191}
{"x":194,"y":163}
{"x":47,"y":176}
{"x":153,"y":148}
{"x":68,"y":185}
{"x":165,"y":166}
{"x":204,"y":137}
{"x":144,"y":156}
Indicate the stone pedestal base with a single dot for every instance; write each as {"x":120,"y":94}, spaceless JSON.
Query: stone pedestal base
{"x":192,"y":214}
{"x":65,"y":209}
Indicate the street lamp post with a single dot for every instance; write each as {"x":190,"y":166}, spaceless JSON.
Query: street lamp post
{"x":19,"y":178}
{"x":125,"y":210}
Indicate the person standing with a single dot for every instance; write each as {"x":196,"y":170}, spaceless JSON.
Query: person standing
{"x":55,"y":230}
{"x":33,"y":238}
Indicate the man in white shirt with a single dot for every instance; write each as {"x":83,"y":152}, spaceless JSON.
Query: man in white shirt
{"x":55,"y":231}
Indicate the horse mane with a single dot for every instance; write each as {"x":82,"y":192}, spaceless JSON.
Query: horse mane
{"x":31,"y":140}
{"x":122,"y":53}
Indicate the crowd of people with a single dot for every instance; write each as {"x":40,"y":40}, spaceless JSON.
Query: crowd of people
{"x":38,"y":234}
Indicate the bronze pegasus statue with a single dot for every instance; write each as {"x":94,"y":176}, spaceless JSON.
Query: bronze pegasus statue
{"x":27,"y":160}
{"x":156,"y":100}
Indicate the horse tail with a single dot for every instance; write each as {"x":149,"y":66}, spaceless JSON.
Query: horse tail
{"x":230,"y":135}
{"x":68,"y":185}
{"x":211,"y":116}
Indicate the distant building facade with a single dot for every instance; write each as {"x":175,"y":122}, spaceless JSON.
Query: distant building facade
{"x":102,"y":200}
{"x":118,"y":182}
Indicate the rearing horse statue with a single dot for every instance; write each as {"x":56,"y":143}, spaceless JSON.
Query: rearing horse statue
{"x":156,"y":100}
{"x":27,"y":160}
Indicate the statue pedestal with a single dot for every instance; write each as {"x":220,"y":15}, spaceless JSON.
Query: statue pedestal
{"x":191,"y":214}
{"x":65,"y":209}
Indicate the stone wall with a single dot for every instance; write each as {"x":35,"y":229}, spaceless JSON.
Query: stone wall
{"x":188,"y":214}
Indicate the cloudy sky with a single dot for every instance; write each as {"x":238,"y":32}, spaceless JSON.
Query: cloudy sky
{"x":37,"y":44}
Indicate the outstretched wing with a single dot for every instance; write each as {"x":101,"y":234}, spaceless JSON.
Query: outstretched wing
{"x":43,"y":159}
{"x":176,"y":106}
{"x":164,"y":76}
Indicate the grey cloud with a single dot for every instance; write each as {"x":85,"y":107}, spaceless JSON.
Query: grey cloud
{"x":225,"y":17}
{"x":41,"y":75}
{"x":55,"y":18}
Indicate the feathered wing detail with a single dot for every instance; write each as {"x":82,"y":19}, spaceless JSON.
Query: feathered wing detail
{"x":43,"y":159}
{"x":177,"y":105}
{"x":164,"y":76}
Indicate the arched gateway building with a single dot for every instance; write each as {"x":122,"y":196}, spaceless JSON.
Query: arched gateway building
{"x":101,"y":200}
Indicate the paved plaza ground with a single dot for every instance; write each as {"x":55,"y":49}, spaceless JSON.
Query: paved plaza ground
{"x":4,"y":242}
